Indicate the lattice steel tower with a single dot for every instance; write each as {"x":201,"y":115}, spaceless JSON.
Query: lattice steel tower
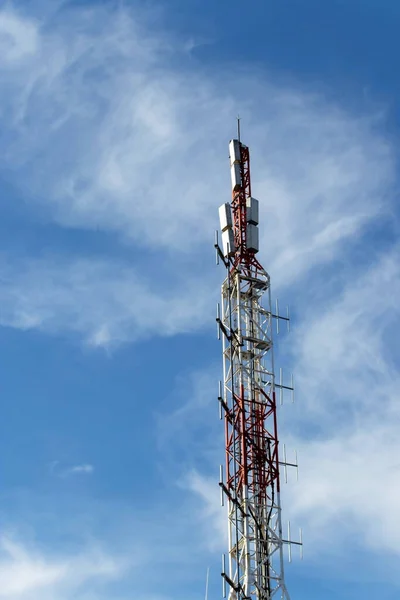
{"x":250,"y":483}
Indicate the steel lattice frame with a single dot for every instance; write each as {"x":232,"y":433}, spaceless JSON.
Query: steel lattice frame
{"x":251,"y":485}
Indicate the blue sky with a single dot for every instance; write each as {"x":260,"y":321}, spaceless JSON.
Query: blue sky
{"x":114,"y":124}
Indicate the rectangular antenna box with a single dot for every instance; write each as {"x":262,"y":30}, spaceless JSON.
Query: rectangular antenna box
{"x":252,"y":237}
{"x":252,"y":210}
{"x":234,"y":151}
{"x":228,"y":243}
{"x":225,"y":216}
{"x":236,"y":176}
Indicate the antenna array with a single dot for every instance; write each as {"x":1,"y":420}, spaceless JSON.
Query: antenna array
{"x":253,"y":568}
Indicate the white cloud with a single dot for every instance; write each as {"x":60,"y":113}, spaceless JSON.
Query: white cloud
{"x":343,"y":339}
{"x":81,"y":547}
{"x":106,"y":303}
{"x":344,"y":424}
{"x":349,"y":487}
{"x":81,"y":469}
{"x":109,"y":125}
{"x":112,"y":126}
{"x":349,"y":383}
{"x":84,"y":468}
{"x":19,"y":38}
{"x":212,"y":515}
{"x":26,"y":573}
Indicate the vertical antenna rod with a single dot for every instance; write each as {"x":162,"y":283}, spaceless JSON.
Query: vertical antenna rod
{"x":254,"y":563}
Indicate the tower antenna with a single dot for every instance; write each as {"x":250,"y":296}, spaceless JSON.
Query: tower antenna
{"x":253,"y":568}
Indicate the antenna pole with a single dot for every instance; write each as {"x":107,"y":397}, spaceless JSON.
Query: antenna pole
{"x":251,"y":478}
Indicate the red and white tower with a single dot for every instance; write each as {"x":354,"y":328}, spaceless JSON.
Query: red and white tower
{"x":253,"y":567}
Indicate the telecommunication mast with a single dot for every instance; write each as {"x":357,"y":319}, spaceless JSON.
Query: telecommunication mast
{"x":253,"y":567}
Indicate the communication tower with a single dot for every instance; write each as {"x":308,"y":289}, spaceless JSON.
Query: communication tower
{"x":253,"y":568}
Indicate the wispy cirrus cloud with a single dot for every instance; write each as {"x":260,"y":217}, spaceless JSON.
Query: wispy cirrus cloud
{"x":349,"y":380}
{"x":344,"y":425}
{"x":109,"y":123}
{"x":104,"y":302}
{"x":26,"y":572}
{"x":113,"y":125}
{"x":100,"y":548}
{"x":63,"y":471}
{"x":84,"y":468}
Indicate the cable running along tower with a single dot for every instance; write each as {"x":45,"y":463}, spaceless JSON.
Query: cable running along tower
{"x":253,"y":568}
